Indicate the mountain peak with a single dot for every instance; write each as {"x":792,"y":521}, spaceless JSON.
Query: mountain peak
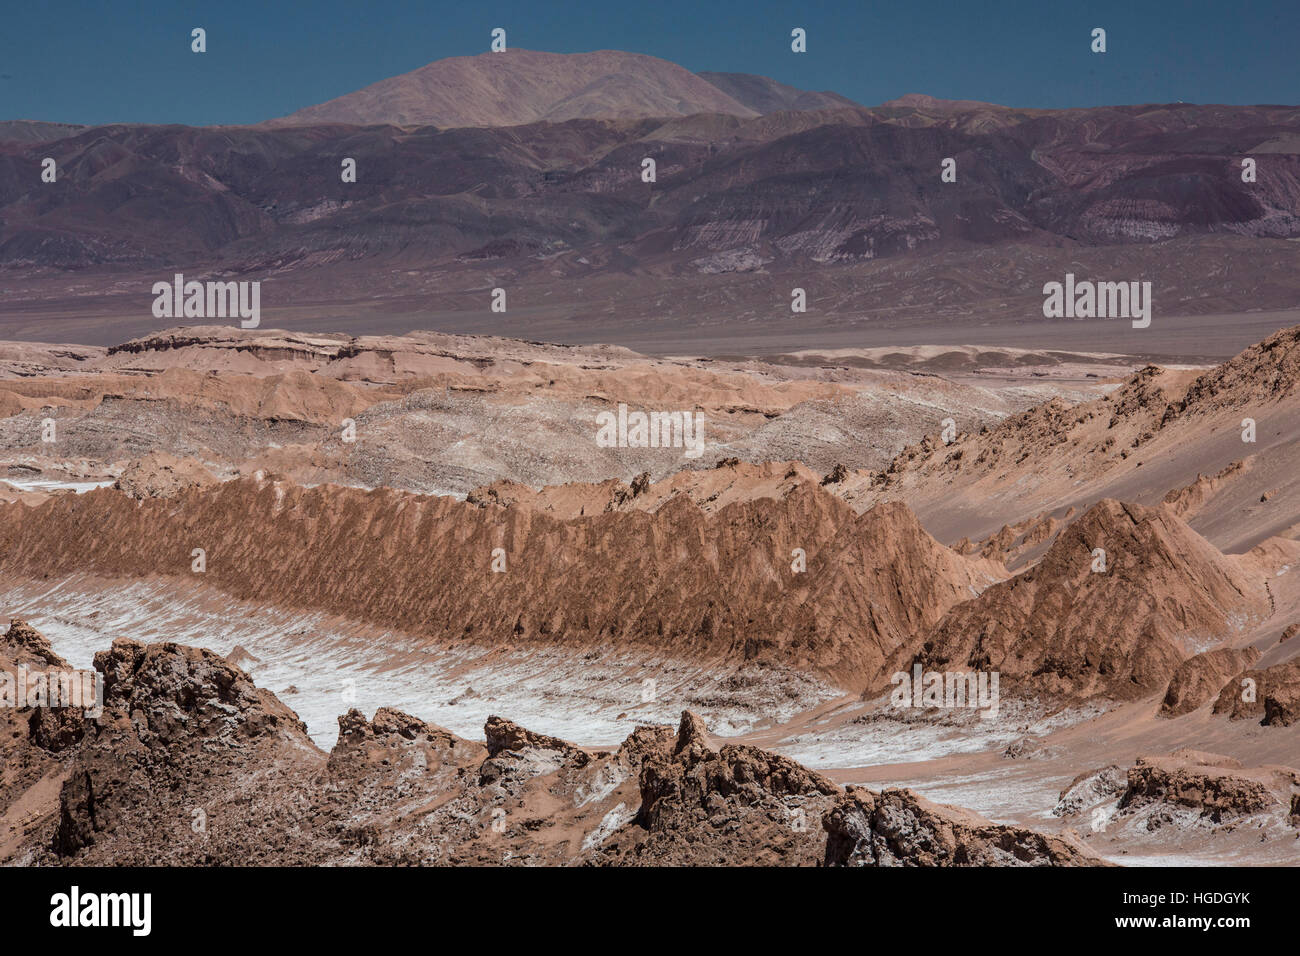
{"x":515,"y":87}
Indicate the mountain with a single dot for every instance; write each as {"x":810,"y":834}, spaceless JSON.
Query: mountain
{"x":30,"y":131}
{"x":763,"y":95}
{"x":746,"y":205}
{"x":515,"y":87}
{"x":1071,"y":625}
{"x":733,"y":192}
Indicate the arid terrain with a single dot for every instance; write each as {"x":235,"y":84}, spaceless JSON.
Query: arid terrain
{"x":649,"y":566}
{"x":427,"y":530}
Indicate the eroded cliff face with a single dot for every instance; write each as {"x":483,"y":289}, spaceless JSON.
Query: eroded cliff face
{"x":1121,"y":597}
{"x":682,"y":582}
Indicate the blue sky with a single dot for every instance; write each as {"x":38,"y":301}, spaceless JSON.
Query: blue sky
{"x":98,"y":62}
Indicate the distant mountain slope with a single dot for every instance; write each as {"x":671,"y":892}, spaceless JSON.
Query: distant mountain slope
{"x":33,"y":131}
{"x":733,"y":192}
{"x":923,"y":101}
{"x":764,"y":95}
{"x":524,"y":86}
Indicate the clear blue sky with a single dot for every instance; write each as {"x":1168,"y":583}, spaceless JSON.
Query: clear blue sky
{"x":124,"y":61}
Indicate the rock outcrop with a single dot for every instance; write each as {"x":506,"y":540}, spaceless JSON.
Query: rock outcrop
{"x":701,"y":806}
{"x":160,"y":475}
{"x":1271,"y":695}
{"x":1213,"y":786}
{"x":190,"y":763}
{"x":1198,"y":680}
{"x":1089,"y":789}
{"x":899,"y":828}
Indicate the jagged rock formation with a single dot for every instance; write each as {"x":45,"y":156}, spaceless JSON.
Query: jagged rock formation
{"x":190,"y":763}
{"x":877,"y":595}
{"x":1017,"y":542}
{"x":701,"y":806}
{"x":34,"y":741}
{"x":898,"y":828}
{"x":1214,"y":786}
{"x":1186,"y":502}
{"x":1265,"y":372}
{"x":22,"y":644}
{"x":166,"y":709}
{"x":505,"y":736}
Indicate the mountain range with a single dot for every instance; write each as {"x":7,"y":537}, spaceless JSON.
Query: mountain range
{"x":530,"y":168}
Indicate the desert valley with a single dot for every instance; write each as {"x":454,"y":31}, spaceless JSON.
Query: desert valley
{"x":528,"y":518}
{"x":774,"y":599}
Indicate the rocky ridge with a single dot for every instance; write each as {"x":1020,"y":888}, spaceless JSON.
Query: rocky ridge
{"x":190,"y":763}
